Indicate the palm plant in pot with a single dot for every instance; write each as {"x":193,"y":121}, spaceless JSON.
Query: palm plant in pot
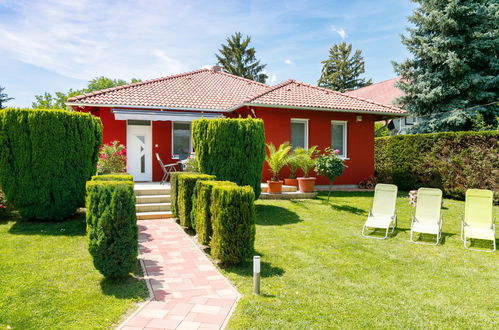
{"x":293,"y":165}
{"x":307,"y":163}
{"x":276,"y":159}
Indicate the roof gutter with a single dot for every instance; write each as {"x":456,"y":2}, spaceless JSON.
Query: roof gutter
{"x":72,"y":104}
{"x":391,"y":114}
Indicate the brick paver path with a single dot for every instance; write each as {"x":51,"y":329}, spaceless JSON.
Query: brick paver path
{"x":189,"y":291}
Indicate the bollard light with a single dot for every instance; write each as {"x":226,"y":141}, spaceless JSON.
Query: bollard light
{"x":256,"y":274}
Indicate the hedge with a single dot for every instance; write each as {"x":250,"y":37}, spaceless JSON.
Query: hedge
{"x":112,"y":227}
{"x":174,"y":193}
{"x":185,"y":189}
{"x":451,"y":161}
{"x":201,"y":202}
{"x":233,"y":222}
{"x":231,"y":149}
{"x":113,"y":177}
{"x":46,"y":156}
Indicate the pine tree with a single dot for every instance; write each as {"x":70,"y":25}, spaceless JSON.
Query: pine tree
{"x":239,"y":59}
{"x":4,"y":98}
{"x":341,"y":71}
{"x":453,"y":75}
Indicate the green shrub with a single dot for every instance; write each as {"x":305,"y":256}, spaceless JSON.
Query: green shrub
{"x":112,"y":227}
{"x":451,"y":161}
{"x":46,"y":156}
{"x":174,"y":192}
{"x":201,"y":202}
{"x":185,"y":189}
{"x":113,"y":177}
{"x":231,"y":149}
{"x":233,"y":222}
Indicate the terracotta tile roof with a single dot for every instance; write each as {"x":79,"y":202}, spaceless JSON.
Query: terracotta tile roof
{"x":201,"y":89}
{"x":215,"y":90}
{"x":383,"y":92}
{"x":292,"y":93}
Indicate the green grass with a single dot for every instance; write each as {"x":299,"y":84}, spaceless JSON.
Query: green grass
{"x":48,"y":281}
{"x":319,"y":272}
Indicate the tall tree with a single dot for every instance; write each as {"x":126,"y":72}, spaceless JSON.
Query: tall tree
{"x":58,"y":100}
{"x":342,"y":70}
{"x":4,"y":98}
{"x":453,"y":75}
{"x":236,"y":57}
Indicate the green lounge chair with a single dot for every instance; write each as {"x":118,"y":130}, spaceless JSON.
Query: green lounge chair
{"x":478,"y":222}
{"x":427,"y":218}
{"x":383,"y":213}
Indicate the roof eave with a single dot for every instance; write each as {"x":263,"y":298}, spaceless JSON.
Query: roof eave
{"x":391,"y":114}
{"x":72,"y":104}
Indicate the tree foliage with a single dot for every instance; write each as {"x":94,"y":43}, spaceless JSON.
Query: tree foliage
{"x":453,"y":74}
{"x":342,"y":70}
{"x":237,"y":58}
{"x":58,"y":100}
{"x":4,"y":98}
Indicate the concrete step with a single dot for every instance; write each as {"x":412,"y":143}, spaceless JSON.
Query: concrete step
{"x":147,"y":199}
{"x":288,"y":195}
{"x":153,"y":215}
{"x":153,"y":207}
{"x":141,"y":191}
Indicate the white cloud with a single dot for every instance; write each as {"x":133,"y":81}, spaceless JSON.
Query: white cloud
{"x":340,"y":31}
{"x":288,"y":61}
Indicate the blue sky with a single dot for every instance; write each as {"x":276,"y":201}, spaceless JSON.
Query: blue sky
{"x":55,"y":45}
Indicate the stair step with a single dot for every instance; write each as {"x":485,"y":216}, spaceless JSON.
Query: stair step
{"x":141,"y":191}
{"x":153,"y":215}
{"x":147,"y":199}
{"x":153,"y":207}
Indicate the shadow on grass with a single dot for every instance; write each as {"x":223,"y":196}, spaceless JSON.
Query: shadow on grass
{"x":349,"y":209}
{"x":128,"y":288}
{"x":246,"y":269}
{"x":271,"y":215}
{"x":72,"y":226}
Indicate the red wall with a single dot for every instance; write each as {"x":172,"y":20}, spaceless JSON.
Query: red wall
{"x":360,"y":137}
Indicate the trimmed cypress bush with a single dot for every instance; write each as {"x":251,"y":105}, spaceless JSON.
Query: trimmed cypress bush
{"x":185,"y":189}
{"x":112,"y":233}
{"x":233,"y":222}
{"x":231,"y":149}
{"x":451,"y":161}
{"x":201,"y":202}
{"x":174,"y":192}
{"x":113,"y":177}
{"x":46,"y":156}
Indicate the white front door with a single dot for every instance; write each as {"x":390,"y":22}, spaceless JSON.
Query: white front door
{"x":139,"y":152}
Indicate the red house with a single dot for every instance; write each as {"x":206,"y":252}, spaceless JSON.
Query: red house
{"x":155,"y":116}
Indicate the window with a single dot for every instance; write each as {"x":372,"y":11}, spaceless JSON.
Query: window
{"x":409,"y":120}
{"x":139,"y":122}
{"x":339,"y":137}
{"x":299,"y":133}
{"x":181,"y":140}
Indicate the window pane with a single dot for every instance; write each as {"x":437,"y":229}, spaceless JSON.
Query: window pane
{"x":139,"y":122}
{"x":337,"y":137}
{"x":298,"y":135}
{"x":181,"y":138}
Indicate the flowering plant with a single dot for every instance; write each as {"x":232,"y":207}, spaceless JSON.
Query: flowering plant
{"x":330,"y":165}
{"x":112,"y":158}
{"x":3,"y":204}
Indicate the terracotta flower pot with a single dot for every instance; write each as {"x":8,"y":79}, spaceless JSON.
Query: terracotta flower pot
{"x":291,"y":182}
{"x":306,"y":184}
{"x":275,"y":187}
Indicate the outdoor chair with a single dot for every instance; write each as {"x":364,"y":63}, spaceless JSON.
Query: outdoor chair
{"x":478,"y":222}
{"x":427,"y":218}
{"x":383,"y":213}
{"x":167,"y":169}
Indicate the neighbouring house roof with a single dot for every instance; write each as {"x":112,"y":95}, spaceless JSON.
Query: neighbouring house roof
{"x":296,"y":94}
{"x":211,"y":89}
{"x":383,"y":92}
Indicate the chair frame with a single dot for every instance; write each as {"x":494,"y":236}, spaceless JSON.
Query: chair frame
{"x":393,"y":225}
{"x":465,"y":239}
{"x":167,"y":169}
{"x":439,"y":235}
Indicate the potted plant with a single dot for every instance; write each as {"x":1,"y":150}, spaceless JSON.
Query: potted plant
{"x":330,"y":165}
{"x":293,"y":165}
{"x":276,"y":159}
{"x":307,"y":164}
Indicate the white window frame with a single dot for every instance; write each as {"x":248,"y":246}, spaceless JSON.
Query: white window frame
{"x":305,"y":134}
{"x":344,"y":154}
{"x":173,"y":137}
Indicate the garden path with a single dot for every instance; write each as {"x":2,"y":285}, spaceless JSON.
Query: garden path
{"x":188,"y":290}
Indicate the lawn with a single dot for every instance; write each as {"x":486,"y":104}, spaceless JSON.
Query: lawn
{"x":319,"y":272}
{"x":48,"y":281}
